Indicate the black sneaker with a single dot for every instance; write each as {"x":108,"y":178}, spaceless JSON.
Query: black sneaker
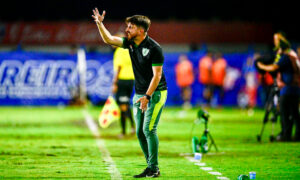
{"x":143,"y":174}
{"x":153,"y":174}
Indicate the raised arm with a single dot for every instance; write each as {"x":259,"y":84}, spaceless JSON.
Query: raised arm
{"x":105,"y":34}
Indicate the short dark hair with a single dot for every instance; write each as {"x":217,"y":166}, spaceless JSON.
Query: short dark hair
{"x":139,"y":20}
{"x":283,"y":42}
{"x":281,"y":33}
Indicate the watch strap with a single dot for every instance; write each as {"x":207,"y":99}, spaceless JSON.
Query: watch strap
{"x":147,"y":96}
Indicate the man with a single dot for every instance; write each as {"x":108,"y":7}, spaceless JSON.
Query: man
{"x":150,"y":83}
{"x":184,"y":79}
{"x":123,"y":85}
{"x":287,"y":65}
{"x":205,"y":65}
{"x":218,"y":73}
{"x":251,"y":84}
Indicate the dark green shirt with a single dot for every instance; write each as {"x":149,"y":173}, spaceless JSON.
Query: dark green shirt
{"x":143,"y":57}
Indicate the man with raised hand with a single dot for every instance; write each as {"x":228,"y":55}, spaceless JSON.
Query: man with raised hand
{"x":150,"y":82}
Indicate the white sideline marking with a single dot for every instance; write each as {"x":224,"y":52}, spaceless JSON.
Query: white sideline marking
{"x":192,"y":159}
{"x":111,"y":166}
{"x":215,"y":173}
{"x":223,"y":178}
{"x":200,"y":164}
{"x":209,"y":169}
{"x":206,"y":168}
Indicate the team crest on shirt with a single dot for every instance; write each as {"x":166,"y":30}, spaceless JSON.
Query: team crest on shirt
{"x":145,"y":51}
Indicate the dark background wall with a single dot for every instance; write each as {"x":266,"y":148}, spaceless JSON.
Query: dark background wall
{"x":282,"y":15}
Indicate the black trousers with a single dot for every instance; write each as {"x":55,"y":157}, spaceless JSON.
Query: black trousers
{"x":289,"y":113}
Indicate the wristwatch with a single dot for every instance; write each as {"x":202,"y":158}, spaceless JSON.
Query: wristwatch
{"x":148,"y":97}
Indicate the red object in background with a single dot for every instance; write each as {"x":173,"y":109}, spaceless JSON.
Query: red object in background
{"x":265,"y":79}
{"x":115,"y":113}
{"x":252,"y":95}
{"x":104,"y":121}
{"x":162,"y":32}
{"x":107,"y":101}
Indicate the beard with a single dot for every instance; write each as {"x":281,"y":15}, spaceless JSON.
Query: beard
{"x":130,"y":36}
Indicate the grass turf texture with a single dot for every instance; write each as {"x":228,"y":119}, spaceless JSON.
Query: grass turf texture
{"x":52,"y":143}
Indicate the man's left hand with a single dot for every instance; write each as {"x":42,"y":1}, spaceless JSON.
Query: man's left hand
{"x":143,"y":103}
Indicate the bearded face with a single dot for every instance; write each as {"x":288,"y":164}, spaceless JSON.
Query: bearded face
{"x":132,"y":31}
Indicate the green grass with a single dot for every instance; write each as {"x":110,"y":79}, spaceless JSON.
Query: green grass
{"x":53,"y":143}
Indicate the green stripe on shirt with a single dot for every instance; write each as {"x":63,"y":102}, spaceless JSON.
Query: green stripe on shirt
{"x":158,"y":64}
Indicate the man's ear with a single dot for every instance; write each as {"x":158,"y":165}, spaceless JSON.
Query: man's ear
{"x":142,"y":30}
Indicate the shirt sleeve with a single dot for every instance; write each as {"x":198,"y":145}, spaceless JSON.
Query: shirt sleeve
{"x":157,"y":56}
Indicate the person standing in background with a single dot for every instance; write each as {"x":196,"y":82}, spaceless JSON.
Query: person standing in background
{"x":218,"y":74}
{"x":205,"y":65}
{"x":184,"y":79}
{"x":123,"y":85}
{"x":287,"y":64}
{"x":251,"y":82}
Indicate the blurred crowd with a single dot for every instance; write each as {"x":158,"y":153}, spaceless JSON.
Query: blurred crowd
{"x":272,"y":78}
{"x":214,"y":74}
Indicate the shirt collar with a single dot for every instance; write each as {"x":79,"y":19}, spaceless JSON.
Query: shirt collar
{"x":142,"y":43}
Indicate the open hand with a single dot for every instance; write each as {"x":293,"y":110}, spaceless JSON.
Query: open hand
{"x":143,"y":103}
{"x":98,"y":18}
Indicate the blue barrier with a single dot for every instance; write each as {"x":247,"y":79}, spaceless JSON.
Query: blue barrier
{"x":36,"y":78}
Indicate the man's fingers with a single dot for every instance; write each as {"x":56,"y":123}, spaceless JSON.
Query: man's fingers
{"x":103,"y":13}
{"x":143,"y":108}
{"x":138,"y":100}
{"x":96,"y":12}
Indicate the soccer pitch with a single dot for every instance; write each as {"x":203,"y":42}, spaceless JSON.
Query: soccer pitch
{"x":56,"y":143}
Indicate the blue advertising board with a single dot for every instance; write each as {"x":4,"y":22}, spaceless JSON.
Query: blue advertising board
{"x":38,"y":78}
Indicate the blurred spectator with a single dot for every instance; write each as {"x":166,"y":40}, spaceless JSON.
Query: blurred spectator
{"x":298,"y":51}
{"x":205,"y":65}
{"x":123,"y":85}
{"x":287,"y":66}
{"x":265,"y":78}
{"x":184,"y":79}
{"x":251,"y":82}
{"x":218,"y":74}
{"x":265,"y":81}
